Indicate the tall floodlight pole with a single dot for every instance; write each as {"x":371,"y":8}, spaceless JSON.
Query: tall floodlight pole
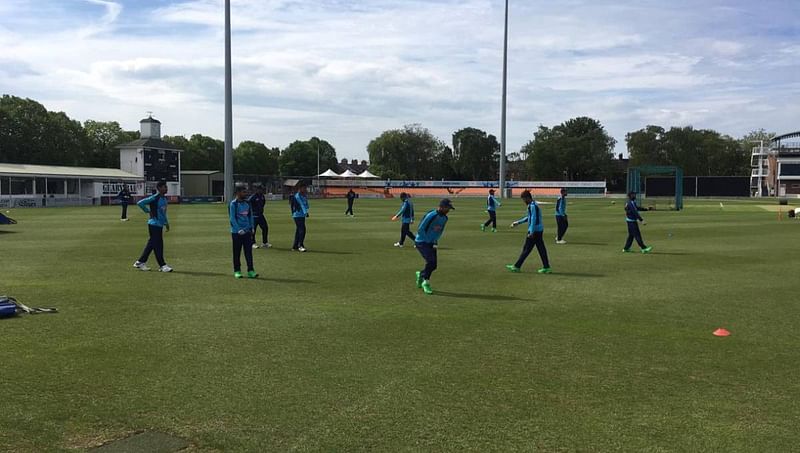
{"x":503,"y":118}
{"x":228,"y":107}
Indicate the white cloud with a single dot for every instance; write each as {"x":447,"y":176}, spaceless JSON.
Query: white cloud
{"x":727,"y":48}
{"x":112,"y":12}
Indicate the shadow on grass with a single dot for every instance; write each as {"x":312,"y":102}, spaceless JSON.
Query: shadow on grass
{"x":317,"y":252}
{"x":286,"y":280}
{"x":327,"y":252}
{"x":576,"y":274}
{"x":230,"y":275}
{"x":8,"y":232}
{"x":489,"y":297}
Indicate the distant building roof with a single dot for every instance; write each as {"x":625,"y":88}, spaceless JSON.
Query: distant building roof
{"x":150,"y":119}
{"x":65,"y":172}
{"x":778,"y":138}
{"x":353,"y":165}
{"x":150,"y":143}
{"x":200,"y":172}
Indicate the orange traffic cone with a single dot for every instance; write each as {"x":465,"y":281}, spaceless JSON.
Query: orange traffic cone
{"x":721,"y":333}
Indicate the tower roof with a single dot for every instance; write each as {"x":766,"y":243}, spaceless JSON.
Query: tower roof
{"x":152,"y":143}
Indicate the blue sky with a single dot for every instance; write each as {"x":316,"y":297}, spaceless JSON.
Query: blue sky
{"x":346,"y":70}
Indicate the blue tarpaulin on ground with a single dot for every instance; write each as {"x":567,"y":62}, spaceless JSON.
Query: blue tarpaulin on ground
{"x":6,"y":221}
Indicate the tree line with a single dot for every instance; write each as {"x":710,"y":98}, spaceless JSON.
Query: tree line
{"x":577,"y":149}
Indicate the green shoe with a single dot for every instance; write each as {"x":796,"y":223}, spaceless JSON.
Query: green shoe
{"x":626,"y":250}
{"x":426,"y":286}
{"x":237,"y":274}
{"x":513,"y":268}
{"x":647,"y":249}
{"x":494,"y":230}
{"x":252,"y":274}
{"x":419,"y":279}
{"x":483,"y":227}
{"x":545,"y":270}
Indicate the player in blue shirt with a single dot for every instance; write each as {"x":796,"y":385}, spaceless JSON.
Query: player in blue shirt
{"x":492,"y":204}
{"x":561,"y":217}
{"x":156,"y":206}
{"x":299,"y":204}
{"x":406,"y":216}
{"x":632,"y":218}
{"x":257,"y":202}
{"x":428,"y":234}
{"x":534,"y":238}
{"x":240,"y":214}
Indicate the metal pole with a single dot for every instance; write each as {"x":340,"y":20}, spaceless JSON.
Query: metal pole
{"x":317,"y":164}
{"x":228,"y":107}
{"x":503,"y":120}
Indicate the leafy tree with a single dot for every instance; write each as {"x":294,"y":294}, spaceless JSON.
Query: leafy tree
{"x":178,"y":141}
{"x":103,"y":138}
{"x":476,"y":154}
{"x":578,"y":149}
{"x":444,"y":164}
{"x":753,"y":138}
{"x":645,"y":146}
{"x":408,"y":153}
{"x":300,"y":157}
{"x":515,"y":167}
{"x":31,"y":134}
{"x":699,"y":152}
{"x":255,"y":158}
{"x":725,"y":155}
{"x":200,"y":152}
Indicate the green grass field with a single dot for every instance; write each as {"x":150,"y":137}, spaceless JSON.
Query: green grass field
{"x":336,"y":349}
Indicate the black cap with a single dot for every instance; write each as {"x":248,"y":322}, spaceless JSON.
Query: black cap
{"x":446,"y":203}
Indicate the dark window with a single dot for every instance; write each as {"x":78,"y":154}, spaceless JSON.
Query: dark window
{"x":21,"y":186}
{"x":55,"y":186}
{"x":72,"y":187}
{"x":40,"y":186}
{"x":790,"y":169}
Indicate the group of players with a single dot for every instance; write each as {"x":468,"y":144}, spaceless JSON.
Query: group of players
{"x":246,"y":215}
{"x":432,"y":226}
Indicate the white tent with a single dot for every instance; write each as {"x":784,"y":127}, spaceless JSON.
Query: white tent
{"x":366,"y":174}
{"x":329,"y":174}
{"x":348,"y":174}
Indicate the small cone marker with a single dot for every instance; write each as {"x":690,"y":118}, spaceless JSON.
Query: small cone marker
{"x":721,"y":333}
